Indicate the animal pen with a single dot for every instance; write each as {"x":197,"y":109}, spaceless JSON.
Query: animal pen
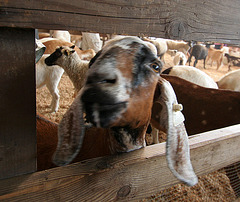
{"x":137,"y":175}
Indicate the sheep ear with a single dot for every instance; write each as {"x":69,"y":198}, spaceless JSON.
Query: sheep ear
{"x":70,"y":134}
{"x":166,"y":115}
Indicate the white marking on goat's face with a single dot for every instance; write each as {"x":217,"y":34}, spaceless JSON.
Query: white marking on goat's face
{"x":122,"y":81}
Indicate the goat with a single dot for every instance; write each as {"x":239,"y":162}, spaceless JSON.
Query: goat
{"x":200,"y":52}
{"x":192,"y":74}
{"x":60,"y":34}
{"x":201,"y":112}
{"x":67,"y":58}
{"x":52,"y":44}
{"x":215,"y":55}
{"x":49,"y":76}
{"x":122,"y":86}
{"x":179,"y":58}
{"x":205,"y":109}
{"x":94,"y":144}
{"x":230,"y":81}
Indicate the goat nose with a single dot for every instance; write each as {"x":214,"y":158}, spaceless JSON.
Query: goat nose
{"x":99,"y":78}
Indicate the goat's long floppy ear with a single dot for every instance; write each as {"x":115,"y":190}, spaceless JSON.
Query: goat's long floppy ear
{"x":166,"y":114}
{"x":70,"y":133}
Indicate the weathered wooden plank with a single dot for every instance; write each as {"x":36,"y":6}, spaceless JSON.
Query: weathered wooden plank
{"x":186,"y":19}
{"x":130,"y":176}
{"x":17,"y":102}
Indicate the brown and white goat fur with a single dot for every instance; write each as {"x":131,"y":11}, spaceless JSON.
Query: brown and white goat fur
{"x":122,"y":87}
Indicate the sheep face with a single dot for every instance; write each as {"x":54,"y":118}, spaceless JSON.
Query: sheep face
{"x":121,"y":86}
{"x":122,"y":89}
{"x":59,"y":56}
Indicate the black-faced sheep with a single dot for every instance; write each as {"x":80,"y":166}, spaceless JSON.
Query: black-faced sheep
{"x":67,"y":58}
{"x":122,"y":85}
{"x":200,"y":52}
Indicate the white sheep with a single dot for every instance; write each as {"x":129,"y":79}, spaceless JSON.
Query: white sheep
{"x":230,"y":81}
{"x":179,"y":58}
{"x":61,"y":34}
{"x":160,"y":44}
{"x":49,"y":76}
{"x":193,"y":75}
{"x":181,"y":46}
{"x":67,"y":58}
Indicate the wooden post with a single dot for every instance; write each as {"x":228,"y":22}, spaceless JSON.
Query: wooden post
{"x":17,"y":102}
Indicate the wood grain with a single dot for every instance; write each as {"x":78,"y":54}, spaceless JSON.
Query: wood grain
{"x":17,"y":102}
{"x":187,"y":19}
{"x":130,"y":176}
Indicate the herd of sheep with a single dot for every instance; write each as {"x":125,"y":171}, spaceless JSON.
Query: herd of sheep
{"x":76,"y":65}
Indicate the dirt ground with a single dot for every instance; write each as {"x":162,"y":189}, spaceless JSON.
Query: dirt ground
{"x":211,"y":187}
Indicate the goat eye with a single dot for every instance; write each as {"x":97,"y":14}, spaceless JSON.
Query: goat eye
{"x":155,"y":67}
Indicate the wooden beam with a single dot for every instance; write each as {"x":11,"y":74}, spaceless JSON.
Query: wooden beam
{"x":17,"y":102}
{"x":129,"y":176}
{"x":187,"y":19}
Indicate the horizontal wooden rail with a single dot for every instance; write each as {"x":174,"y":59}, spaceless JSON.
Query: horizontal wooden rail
{"x":129,"y":176}
{"x":187,"y":19}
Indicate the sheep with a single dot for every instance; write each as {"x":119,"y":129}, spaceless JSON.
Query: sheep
{"x":193,"y":75}
{"x":230,"y":81}
{"x":49,"y":76}
{"x":61,"y":34}
{"x":122,"y":86}
{"x":43,"y":35}
{"x":232,"y":60}
{"x":180,"y":46}
{"x":91,"y":41}
{"x":67,"y":58}
{"x":200,"y":52}
{"x":52,"y":44}
{"x":77,"y":40}
{"x":152,"y":47}
{"x":160,"y":44}
{"x":215,"y":55}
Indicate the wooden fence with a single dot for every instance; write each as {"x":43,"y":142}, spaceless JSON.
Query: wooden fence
{"x":108,"y":178}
